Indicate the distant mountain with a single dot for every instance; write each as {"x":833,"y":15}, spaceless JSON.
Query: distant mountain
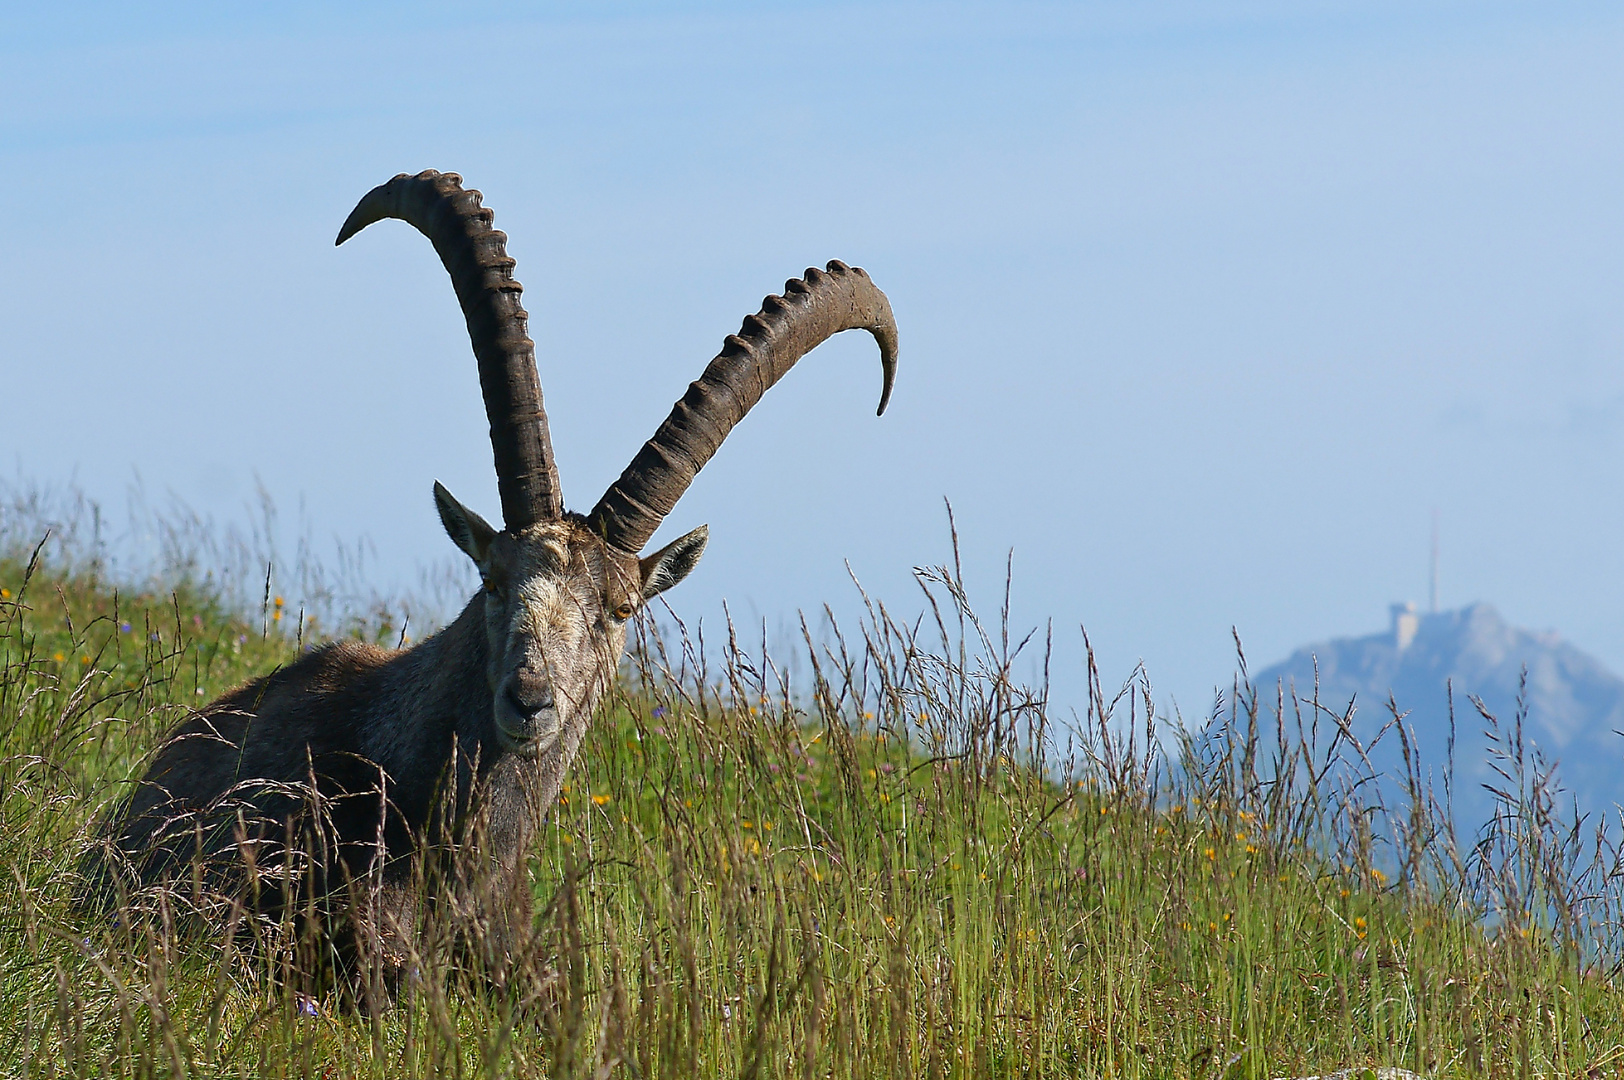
{"x":1575,"y":706}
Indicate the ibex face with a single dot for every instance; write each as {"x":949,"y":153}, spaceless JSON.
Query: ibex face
{"x":556,"y":603}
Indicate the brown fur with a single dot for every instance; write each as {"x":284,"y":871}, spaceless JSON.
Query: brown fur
{"x":332,"y":778}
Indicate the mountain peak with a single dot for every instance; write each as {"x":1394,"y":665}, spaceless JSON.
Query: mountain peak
{"x":1574,"y":705}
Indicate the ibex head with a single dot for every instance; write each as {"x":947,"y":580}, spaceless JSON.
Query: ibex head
{"x":560,"y":587}
{"x":557,"y":600}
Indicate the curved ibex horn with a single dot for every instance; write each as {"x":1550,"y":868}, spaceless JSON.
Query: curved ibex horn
{"x":766,"y":346}
{"x":475,"y":255}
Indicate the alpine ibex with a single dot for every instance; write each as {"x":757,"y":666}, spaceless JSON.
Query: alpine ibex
{"x":463,"y":740}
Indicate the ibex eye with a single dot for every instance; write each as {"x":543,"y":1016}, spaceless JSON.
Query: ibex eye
{"x":625,"y":611}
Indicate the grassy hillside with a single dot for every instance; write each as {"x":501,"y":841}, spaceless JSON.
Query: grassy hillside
{"x":881,"y":869}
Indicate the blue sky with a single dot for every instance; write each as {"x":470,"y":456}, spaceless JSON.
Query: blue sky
{"x":1205,"y":307}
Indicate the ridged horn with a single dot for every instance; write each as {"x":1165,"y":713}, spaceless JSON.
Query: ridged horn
{"x":475,"y":255}
{"x":788,"y":327}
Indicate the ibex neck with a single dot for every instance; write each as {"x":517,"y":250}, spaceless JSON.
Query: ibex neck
{"x":428,"y":698}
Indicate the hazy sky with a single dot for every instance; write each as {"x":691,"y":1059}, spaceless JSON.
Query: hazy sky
{"x":1205,"y":307}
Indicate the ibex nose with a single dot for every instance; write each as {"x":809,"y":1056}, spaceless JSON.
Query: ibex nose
{"x":529,"y":697}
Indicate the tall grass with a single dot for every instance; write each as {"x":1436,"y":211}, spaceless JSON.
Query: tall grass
{"x":891,"y":862}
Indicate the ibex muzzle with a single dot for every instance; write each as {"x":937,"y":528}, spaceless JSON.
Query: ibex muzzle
{"x":461,"y":742}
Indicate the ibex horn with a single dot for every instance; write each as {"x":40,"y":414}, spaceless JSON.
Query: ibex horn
{"x":475,"y":255}
{"x":767,"y":345}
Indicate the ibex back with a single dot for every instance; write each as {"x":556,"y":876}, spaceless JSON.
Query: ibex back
{"x":332,"y":778}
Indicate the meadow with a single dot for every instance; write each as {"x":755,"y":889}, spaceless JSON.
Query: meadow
{"x":883,"y":855}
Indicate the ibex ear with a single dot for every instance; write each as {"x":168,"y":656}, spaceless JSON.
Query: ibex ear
{"x":673,"y":562}
{"x":467,"y":529}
